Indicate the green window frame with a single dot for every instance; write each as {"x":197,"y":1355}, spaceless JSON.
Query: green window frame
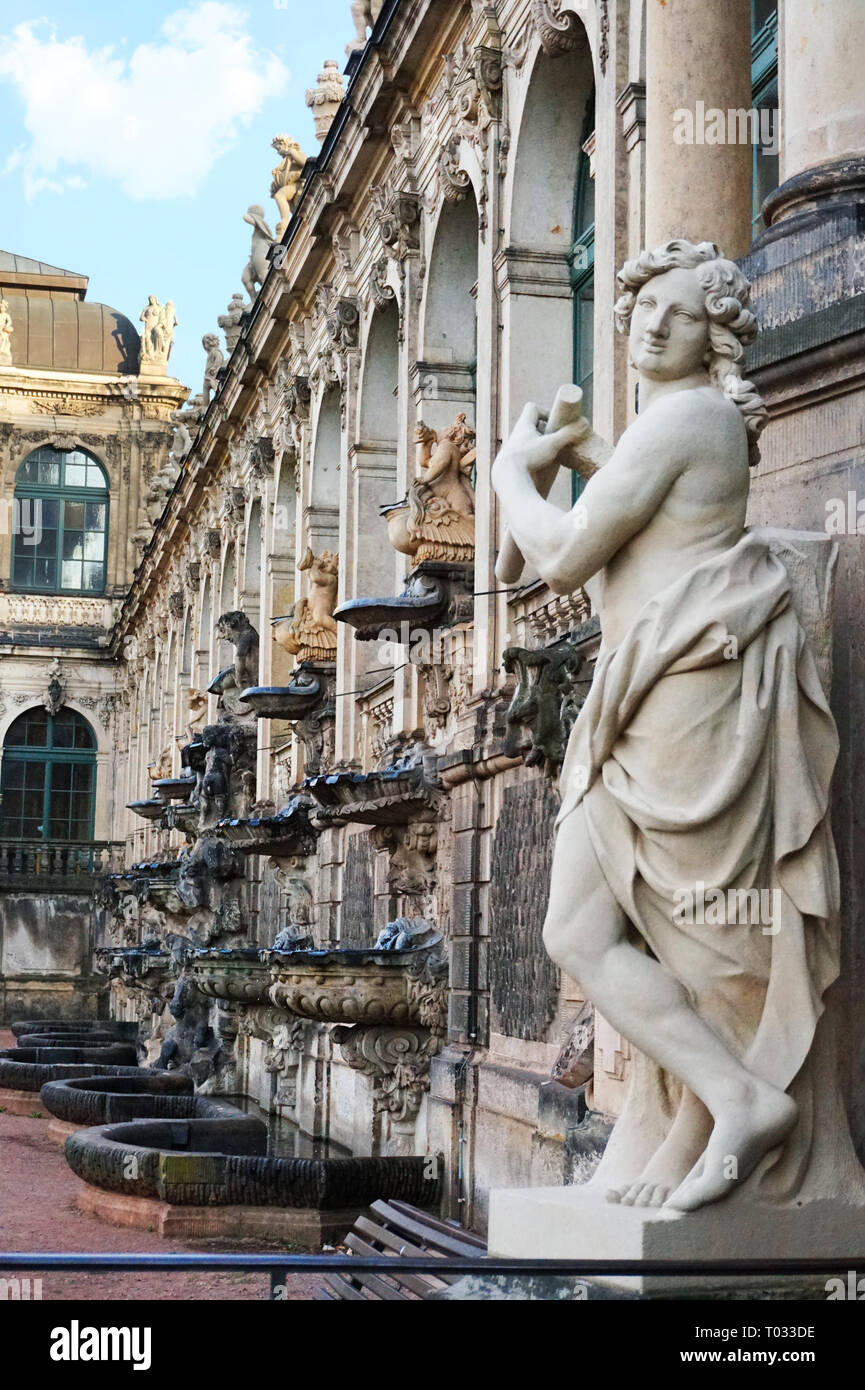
{"x":48,"y":778}
{"x":764,"y":97}
{"x":64,"y":547}
{"x":581,"y":261}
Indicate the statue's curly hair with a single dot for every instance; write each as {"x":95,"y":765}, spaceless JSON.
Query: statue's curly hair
{"x":731,"y":323}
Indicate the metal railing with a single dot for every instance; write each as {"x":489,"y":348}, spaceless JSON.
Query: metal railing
{"x":45,"y":864}
{"x":278,"y":1266}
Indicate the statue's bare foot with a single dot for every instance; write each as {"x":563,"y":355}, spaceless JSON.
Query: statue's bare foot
{"x":670,"y":1163}
{"x":743,"y":1134}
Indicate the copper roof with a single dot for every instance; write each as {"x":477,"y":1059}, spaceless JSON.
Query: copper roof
{"x":55,"y":327}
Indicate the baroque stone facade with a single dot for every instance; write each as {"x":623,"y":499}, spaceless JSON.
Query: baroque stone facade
{"x":432,"y":275}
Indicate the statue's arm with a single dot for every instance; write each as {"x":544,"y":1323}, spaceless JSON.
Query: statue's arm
{"x":567,"y":548}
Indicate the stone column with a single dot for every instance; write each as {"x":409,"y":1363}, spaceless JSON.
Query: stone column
{"x":822,"y":91}
{"x":697,"y":53}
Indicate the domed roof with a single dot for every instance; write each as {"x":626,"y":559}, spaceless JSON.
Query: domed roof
{"x":53,"y":326}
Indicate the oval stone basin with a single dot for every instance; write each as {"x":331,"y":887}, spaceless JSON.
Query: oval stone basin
{"x":347,"y":985}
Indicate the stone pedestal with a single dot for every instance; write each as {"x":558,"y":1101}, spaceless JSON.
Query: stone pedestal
{"x":574,"y":1223}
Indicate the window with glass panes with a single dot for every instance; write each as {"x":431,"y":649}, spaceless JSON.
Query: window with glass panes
{"x":764,"y":97}
{"x":582,"y":262}
{"x":63,"y":493}
{"x":48,"y":778}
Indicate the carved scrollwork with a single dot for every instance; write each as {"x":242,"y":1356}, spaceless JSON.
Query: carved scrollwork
{"x":558,"y":29}
{"x":381,"y":292}
{"x":398,"y":1059}
{"x":455,"y":181}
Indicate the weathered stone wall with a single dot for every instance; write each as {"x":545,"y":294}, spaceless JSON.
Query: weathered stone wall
{"x":46,"y":957}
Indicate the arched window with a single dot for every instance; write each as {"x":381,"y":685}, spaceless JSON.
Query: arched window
{"x":63,"y":495}
{"x":582,"y":263}
{"x":48,"y":778}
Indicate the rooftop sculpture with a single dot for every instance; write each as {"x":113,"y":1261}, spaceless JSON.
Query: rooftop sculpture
{"x":286,"y":178}
{"x":157,"y":336}
{"x":262,"y":239}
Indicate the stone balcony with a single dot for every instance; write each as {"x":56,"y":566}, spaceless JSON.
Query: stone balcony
{"x":36,"y":866}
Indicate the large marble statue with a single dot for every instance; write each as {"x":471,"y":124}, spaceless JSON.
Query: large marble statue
{"x":286,"y":178}
{"x":262,"y":239}
{"x":694,"y":886}
{"x":436,"y":521}
{"x":6,"y":328}
{"x":310,"y":634}
{"x":157,"y":335}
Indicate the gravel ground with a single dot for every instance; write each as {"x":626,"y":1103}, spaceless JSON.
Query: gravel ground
{"x":37,"y":1191}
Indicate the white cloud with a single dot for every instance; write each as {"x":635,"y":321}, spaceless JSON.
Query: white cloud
{"x":154,"y":120}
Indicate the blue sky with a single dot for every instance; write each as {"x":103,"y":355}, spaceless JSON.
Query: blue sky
{"x":134,"y":136}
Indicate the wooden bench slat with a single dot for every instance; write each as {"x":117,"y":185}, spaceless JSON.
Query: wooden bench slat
{"x":447,"y":1228}
{"x":417,"y":1283}
{"x":377,"y":1285}
{"x":324,"y":1295}
{"x":445,"y":1243}
{"x":345,"y":1290}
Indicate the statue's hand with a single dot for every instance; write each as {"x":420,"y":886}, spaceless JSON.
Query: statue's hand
{"x":528,"y":450}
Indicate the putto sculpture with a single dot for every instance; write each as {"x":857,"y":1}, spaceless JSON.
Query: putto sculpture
{"x":698,"y":768}
{"x":157,"y":335}
{"x":364,"y":13}
{"x":262,"y":239}
{"x":286,"y":178}
{"x":436,"y":521}
{"x":310,"y":634}
{"x":213,"y":365}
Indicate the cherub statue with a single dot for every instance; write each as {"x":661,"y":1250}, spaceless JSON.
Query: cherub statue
{"x":364,"y":14}
{"x":236,"y":628}
{"x":161,"y":766}
{"x":699,"y":765}
{"x":262,"y":239}
{"x":196,"y":712}
{"x":437,"y":519}
{"x":215,"y":361}
{"x":310,"y":634}
{"x":286,"y":178}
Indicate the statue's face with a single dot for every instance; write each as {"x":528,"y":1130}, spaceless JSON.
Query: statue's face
{"x":669,"y":326}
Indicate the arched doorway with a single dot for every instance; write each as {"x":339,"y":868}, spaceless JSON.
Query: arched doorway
{"x":48,"y":778}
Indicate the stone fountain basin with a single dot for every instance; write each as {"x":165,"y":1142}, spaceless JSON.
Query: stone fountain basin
{"x":173,"y":788}
{"x":148,"y":810}
{"x":289,"y":702}
{"x":385,"y":797}
{"x":370,"y":617}
{"x":131,"y":962}
{"x":28,"y":1069}
{"x":237,"y":974}
{"x":220,"y":1158}
{"x":122,"y":1032}
{"x":348,"y":985}
{"x":99,"y":1100}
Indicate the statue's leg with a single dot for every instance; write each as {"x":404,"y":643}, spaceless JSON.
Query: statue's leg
{"x":586,"y":934}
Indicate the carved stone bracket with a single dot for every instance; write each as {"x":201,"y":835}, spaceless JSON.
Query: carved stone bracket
{"x":552,"y":687}
{"x":398,"y":1059}
{"x":558,"y":29}
{"x":398,"y":217}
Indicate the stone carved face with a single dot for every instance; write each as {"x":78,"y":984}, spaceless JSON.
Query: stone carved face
{"x":669,"y":331}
